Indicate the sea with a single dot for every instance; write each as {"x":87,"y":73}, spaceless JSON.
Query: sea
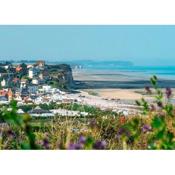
{"x":164,"y":72}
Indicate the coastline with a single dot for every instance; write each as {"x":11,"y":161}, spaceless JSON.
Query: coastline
{"x":115,"y":85}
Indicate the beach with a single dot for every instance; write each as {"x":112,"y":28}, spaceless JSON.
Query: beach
{"x":116,"y":85}
{"x":116,"y":90}
{"x":120,"y":94}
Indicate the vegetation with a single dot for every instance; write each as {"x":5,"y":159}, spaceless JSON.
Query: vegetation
{"x":93,"y":93}
{"x":153,"y":128}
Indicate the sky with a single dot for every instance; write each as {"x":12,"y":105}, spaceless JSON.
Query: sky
{"x":143,"y":45}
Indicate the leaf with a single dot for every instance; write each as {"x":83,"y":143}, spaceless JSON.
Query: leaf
{"x":160,"y":134}
{"x":158,"y":122}
{"x":153,"y":81}
{"x":170,"y":136}
{"x":25,"y":145}
{"x":89,"y":142}
{"x":138,"y":102}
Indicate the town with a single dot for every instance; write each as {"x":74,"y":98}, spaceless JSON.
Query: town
{"x":35,"y":84}
{"x":42,"y":84}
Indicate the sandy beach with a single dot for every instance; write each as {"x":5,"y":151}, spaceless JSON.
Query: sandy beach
{"x":120,"y":94}
{"x":115,"y":85}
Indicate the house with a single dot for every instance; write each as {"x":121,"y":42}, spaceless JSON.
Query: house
{"x":33,"y":72}
{"x":32,"y":89}
{"x":18,"y":68}
{"x":38,"y":100}
{"x":35,"y":81}
{"x":18,"y":98}
{"x":30,"y":73}
{"x":29,"y":66}
{"x":3,"y":83}
{"x":40,"y":76}
{"x":9,"y":94}
{"x":28,"y":100}
{"x":40,"y":63}
{"x":4,"y":100}
{"x":24,"y":93}
{"x":3,"y":92}
{"x":46,"y":88}
{"x":38,"y":112}
{"x":6,"y":67}
{"x":20,"y":111}
{"x":23,"y":83}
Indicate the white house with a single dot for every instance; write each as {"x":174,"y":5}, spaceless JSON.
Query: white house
{"x":46,"y":88}
{"x":35,"y":81}
{"x":30,"y":73}
{"x":3,"y":83}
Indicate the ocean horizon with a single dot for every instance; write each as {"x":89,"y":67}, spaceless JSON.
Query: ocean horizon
{"x":165,"y":72}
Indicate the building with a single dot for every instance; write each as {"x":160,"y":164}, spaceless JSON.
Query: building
{"x":24,"y":93}
{"x":18,"y":68}
{"x":23,"y":83}
{"x":3,"y":92}
{"x":3,"y":83}
{"x":40,"y":63}
{"x":46,"y":88}
{"x":30,"y":73}
{"x":38,"y":112}
{"x":32,"y":89}
{"x":18,"y":98}
{"x":4,"y":100}
{"x":35,"y":81}
{"x":41,"y":76}
{"x":29,"y":66}
{"x":20,"y":111}
{"x":9,"y":94}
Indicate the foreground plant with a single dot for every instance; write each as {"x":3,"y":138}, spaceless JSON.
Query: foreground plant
{"x":152,"y":128}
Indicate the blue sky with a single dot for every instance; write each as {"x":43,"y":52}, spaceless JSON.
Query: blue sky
{"x":144,"y":45}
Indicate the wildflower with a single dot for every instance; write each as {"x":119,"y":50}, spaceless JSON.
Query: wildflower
{"x":75,"y":146}
{"x":168,"y":92}
{"x":71,"y":146}
{"x":146,"y":128}
{"x":122,"y":131}
{"x":99,"y":145}
{"x":82,"y":140}
{"x":46,"y":143}
{"x":78,"y":146}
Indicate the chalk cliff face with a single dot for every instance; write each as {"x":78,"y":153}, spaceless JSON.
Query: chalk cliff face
{"x":61,"y":74}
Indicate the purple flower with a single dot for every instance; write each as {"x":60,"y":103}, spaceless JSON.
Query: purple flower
{"x":146,"y":128}
{"x":78,"y":146}
{"x":99,"y":145}
{"x":82,"y":140}
{"x":122,"y":131}
{"x":73,"y":146}
{"x":168,"y":92}
{"x":46,"y":143}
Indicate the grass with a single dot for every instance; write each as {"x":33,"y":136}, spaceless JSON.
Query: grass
{"x":153,"y":128}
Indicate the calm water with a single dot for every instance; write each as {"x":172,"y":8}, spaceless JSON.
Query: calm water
{"x":167,"y":72}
